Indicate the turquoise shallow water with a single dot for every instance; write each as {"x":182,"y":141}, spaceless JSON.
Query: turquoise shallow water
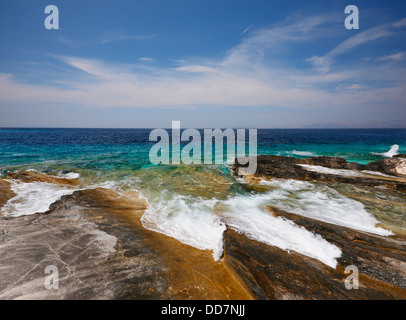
{"x":121,"y":156}
{"x":193,"y":203}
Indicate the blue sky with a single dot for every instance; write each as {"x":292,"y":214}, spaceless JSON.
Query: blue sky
{"x":276,"y":64}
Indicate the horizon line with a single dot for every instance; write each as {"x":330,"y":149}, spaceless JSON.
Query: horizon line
{"x":201,"y":128}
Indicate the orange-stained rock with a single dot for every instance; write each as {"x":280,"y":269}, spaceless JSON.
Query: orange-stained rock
{"x":5,"y":192}
{"x":32,"y":176}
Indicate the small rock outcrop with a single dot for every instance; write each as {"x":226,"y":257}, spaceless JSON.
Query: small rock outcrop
{"x":33,"y":176}
{"x":5,"y":192}
{"x":291,"y":168}
{"x":396,"y":167}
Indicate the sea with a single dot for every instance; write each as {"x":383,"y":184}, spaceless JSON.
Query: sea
{"x":195,"y":204}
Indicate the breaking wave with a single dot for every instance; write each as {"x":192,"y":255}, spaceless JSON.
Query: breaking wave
{"x":394,"y":150}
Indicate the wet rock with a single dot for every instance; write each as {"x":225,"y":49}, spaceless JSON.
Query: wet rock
{"x":5,"y":192}
{"x":96,"y":258}
{"x":290,"y":168}
{"x":369,"y":252}
{"x":32,"y":176}
{"x":332,"y":162}
{"x":270,"y":271}
{"x":191,"y":274}
{"x":96,"y":239}
{"x":277,"y":274}
{"x":400,"y":155}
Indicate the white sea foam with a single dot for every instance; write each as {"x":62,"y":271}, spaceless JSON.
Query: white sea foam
{"x":322,"y":203}
{"x":248,"y":214}
{"x":190,"y":221}
{"x":194,"y":222}
{"x":394,"y":150}
{"x":342,"y":172}
{"x":36,"y":197}
{"x":33,"y":197}
{"x":303,"y":153}
{"x":69,"y":175}
{"x":240,"y":180}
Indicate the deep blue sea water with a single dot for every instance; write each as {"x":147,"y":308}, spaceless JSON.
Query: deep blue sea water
{"x":115,"y":148}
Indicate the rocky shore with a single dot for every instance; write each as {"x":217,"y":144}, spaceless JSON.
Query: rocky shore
{"x":381,"y":260}
{"x":93,"y":262}
{"x":96,"y":240}
{"x":393,"y":170}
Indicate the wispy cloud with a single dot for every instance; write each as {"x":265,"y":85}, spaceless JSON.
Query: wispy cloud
{"x":237,"y":79}
{"x":105,"y":38}
{"x":362,"y":38}
{"x":393,"y":57}
{"x":400,"y":23}
{"x":146,"y":59}
{"x":323,"y":63}
{"x":267,"y":40}
{"x":119,"y":36}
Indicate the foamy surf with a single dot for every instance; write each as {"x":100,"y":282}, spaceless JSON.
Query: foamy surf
{"x":68,"y":175}
{"x":37,"y":197}
{"x":33,"y":197}
{"x":190,"y":221}
{"x":394,"y":150}
{"x":196,"y":224}
{"x":248,"y":215}
{"x":342,"y":172}
{"x":200,"y":223}
{"x":303,"y":153}
{"x":322,"y":203}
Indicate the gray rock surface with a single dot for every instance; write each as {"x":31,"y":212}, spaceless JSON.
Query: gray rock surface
{"x":96,"y":259}
{"x":95,"y":239}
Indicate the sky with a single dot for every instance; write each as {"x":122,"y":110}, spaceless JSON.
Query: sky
{"x":209,"y":64}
